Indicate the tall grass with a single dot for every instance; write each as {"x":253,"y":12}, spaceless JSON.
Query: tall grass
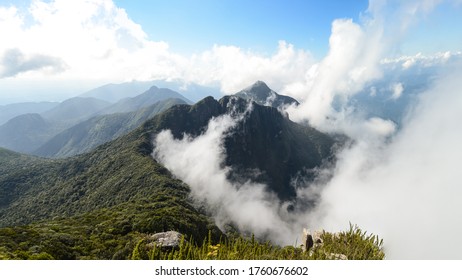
{"x":354,"y":244}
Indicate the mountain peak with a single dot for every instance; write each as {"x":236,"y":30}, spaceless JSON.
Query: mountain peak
{"x":259,"y":85}
{"x":263,"y":95}
{"x":153,"y":88}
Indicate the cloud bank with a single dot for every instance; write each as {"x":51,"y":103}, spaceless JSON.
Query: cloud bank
{"x":408,"y":190}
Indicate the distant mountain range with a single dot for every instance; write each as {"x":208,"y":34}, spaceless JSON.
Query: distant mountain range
{"x":93,"y":132}
{"x":31,"y":133}
{"x":7,"y":112}
{"x":147,"y":98}
{"x":115,"y":92}
{"x":75,"y":110}
{"x":25,"y":133}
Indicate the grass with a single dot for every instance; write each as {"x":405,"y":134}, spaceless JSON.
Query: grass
{"x":354,"y":244}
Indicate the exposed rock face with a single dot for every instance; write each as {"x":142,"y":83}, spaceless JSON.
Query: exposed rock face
{"x":312,"y":240}
{"x":265,"y":147}
{"x":165,"y":240}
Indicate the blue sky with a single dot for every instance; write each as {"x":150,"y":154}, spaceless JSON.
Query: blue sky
{"x":192,"y":26}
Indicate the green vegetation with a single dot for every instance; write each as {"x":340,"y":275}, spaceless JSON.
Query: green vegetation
{"x":98,"y":236}
{"x":353,"y":244}
{"x":94,"y":205}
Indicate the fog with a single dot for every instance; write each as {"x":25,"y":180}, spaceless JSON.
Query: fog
{"x":408,"y":190}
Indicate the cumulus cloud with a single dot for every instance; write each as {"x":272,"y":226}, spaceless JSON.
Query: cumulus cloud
{"x":15,"y":62}
{"x":356,"y":59}
{"x":235,"y":68}
{"x":353,"y":60}
{"x":98,"y":41}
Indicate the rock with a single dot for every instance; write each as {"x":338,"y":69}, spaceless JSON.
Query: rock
{"x":310,"y":241}
{"x":165,"y":240}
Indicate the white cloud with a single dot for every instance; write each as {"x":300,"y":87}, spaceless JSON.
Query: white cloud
{"x":356,"y":60}
{"x":235,"y":68}
{"x":353,"y":60}
{"x":380,"y":127}
{"x":408,"y":190}
{"x":420,"y":61}
{"x":14,"y":62}
{"x":97,"y":41}
{"x":397,"y":90}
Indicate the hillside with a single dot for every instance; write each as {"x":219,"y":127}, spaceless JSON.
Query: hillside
{"x":25,"y":133}
{"x":91,"y":133}
{"x":74,"y":110}
{"x":115,"y":191}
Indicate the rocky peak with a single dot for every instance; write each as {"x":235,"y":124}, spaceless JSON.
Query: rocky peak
{"x":263,"y":95}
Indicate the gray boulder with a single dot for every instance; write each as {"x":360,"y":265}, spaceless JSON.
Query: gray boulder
{"x":165,"y":240}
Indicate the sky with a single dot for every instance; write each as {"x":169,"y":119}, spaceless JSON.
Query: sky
{"x":52,"y":50}
{"x":192,"y":26}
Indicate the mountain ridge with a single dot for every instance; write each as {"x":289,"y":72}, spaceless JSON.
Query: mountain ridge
{"x":147,"y":98}
{"x":9,"y":111}
{"x":93,"y":132}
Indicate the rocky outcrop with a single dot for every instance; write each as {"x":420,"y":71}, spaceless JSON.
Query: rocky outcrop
{"x":165,"y":240}
{"x":313,"y":241}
